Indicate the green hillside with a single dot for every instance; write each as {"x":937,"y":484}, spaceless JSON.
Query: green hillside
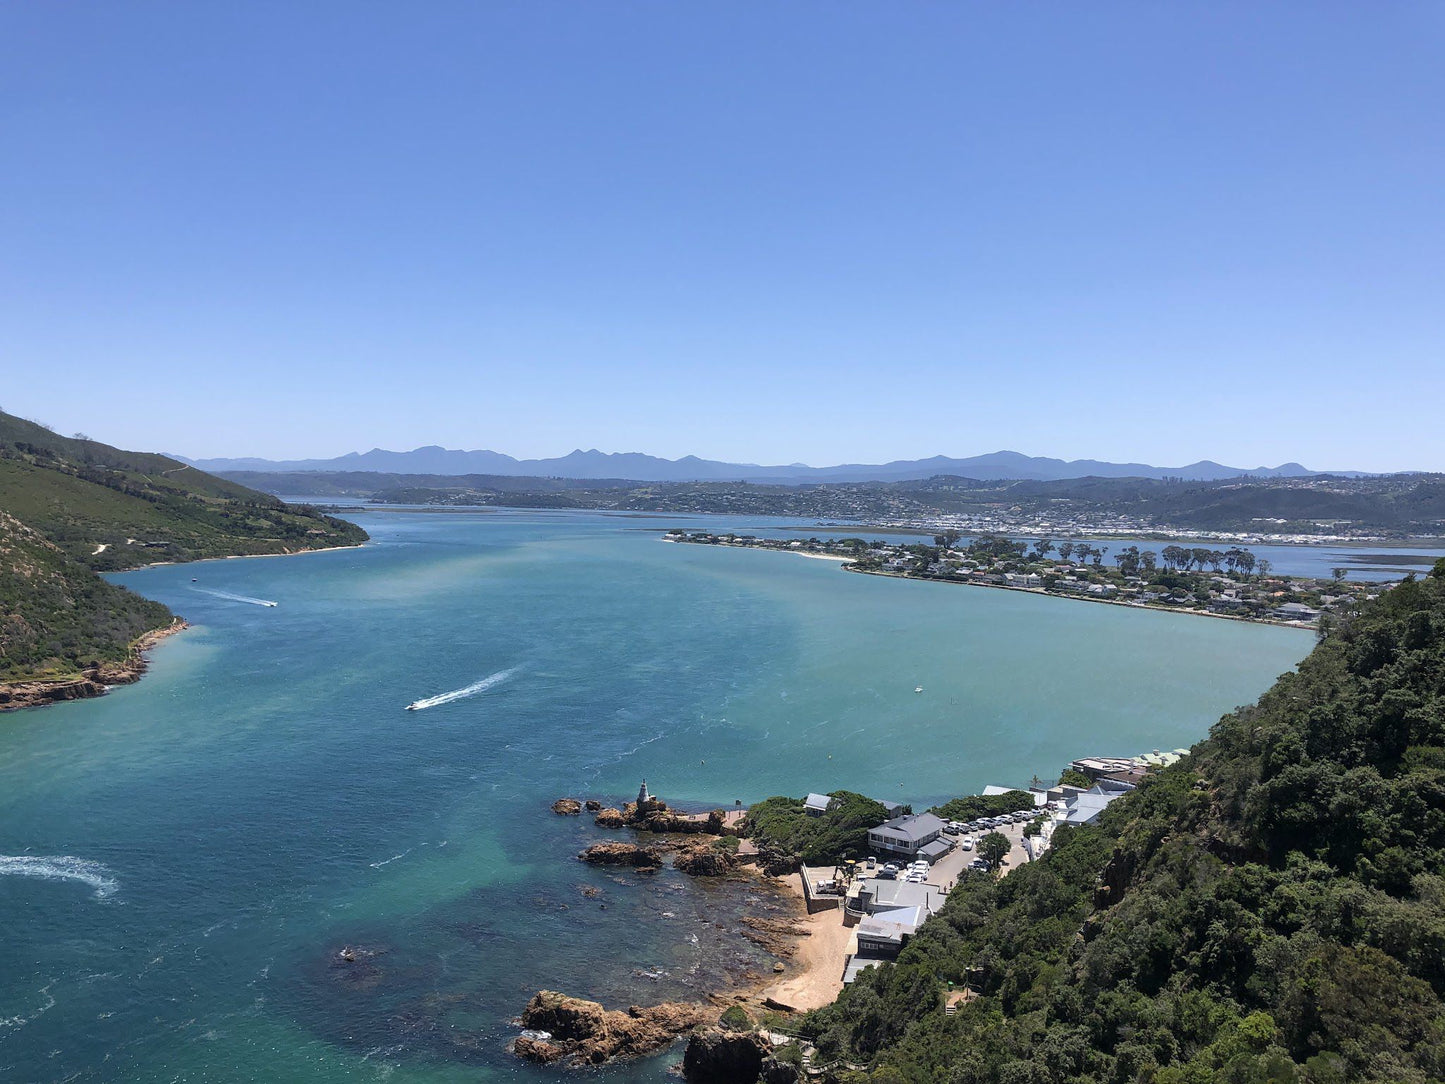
{"x":70,"y":508}
{"x":58,"y":617}
{"x":1270,"y":909}
{"x":82,"y":495}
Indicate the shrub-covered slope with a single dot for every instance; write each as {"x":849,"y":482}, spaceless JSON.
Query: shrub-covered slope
{"x":57,"y":616}
{"x":840,"y":833}
{"x":82,"y":495}
{"x":1270,"y":909}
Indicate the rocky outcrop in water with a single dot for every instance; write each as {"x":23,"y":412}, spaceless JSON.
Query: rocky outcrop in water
{"x":654,"y":816}
{"x":715,"y":1056}
{"x":719,"y":1056}
{"x":567,"y":807}
{"x":610,"y":818}
{"x":592,"y":805}
{"x":356,"y":966}
{"x":622,"y":854}
{"x":704,"y":860}
{"x":578,"y":1032}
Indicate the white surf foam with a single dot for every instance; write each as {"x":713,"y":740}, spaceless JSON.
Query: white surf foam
{"x":19,"y":1020}
{"x":461,"y":694}
{"x":60,"y":868}
{"x":234,"y":598}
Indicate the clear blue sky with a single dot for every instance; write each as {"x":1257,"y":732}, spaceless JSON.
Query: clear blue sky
{"x":816,"y":232}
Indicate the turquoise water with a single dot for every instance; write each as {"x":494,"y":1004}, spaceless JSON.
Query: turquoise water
{"x":185,"y":857}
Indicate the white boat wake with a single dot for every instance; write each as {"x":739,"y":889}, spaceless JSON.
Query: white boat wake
{"x":461,"y":694}
{"x":60,"y":868}
{"x":234,"y":598}
{"x":389,"y":861}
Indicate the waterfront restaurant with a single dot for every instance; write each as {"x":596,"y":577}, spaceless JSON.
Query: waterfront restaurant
{"x":910,"y":836}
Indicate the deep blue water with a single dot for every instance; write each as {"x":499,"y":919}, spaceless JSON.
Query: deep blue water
{"x":184,"y":857}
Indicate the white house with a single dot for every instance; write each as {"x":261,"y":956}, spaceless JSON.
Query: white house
{"x":816,"y":804}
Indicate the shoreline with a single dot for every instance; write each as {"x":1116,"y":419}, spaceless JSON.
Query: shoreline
{"x":1039,"y":592}
{"x":88,"y":684}
{"x":807,"y":949}
{"x":849,"y":565}
{"x":808,"y":983}
{"x":233,"y":557}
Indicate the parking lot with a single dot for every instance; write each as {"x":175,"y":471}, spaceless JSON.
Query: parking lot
{"x":946,"y":871}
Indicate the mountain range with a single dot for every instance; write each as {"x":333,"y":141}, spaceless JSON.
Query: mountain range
{"x":646,"y":468}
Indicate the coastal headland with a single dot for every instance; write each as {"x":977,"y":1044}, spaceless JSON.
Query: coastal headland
{"x":93,"y":680}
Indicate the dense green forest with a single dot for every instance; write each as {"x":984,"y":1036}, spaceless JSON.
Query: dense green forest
{"x":1272,"y":908}
{"x":71,"y":507}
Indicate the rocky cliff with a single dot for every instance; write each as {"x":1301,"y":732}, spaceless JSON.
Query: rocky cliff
{"x":573,"y":1031}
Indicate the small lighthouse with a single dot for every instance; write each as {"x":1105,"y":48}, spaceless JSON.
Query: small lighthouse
{"x":642,"y":796}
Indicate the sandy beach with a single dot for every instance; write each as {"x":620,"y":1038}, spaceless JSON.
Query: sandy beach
{"x":814,"y":975}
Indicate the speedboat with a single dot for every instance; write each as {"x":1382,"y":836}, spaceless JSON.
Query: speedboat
{"x":411,"y":707}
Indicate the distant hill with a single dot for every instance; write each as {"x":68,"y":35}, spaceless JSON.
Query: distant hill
{"x":360,"y":483}
{"x":1396,"y":504}
{"x":72,"y":507}
{"x":82,"y":494}
{"x":637,"y":467}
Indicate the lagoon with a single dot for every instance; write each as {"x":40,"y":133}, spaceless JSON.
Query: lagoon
{"x":185,"y":855}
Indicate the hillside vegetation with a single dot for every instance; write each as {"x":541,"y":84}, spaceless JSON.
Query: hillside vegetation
{"x":840,"y":833}
{"x":56,"y":616}
{"x":72,"y":507}
{"x":1272,"y":908}
{"x":81,"y":495}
